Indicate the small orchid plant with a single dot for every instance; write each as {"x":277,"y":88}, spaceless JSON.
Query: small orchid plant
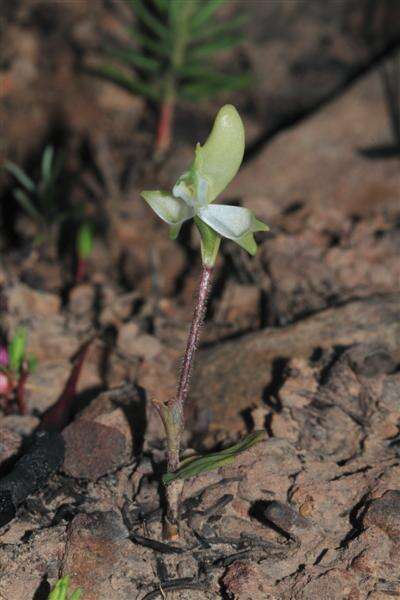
{"x":15,"y":367}
{"x":214,"y":166}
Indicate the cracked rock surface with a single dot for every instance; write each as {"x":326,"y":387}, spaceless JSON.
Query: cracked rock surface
{"x":303,"y":341}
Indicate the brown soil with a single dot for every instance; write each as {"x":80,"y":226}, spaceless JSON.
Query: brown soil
{"x":302,"y":341}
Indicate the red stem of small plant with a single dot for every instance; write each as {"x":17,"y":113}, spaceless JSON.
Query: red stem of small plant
{"x":173,"y":413}
{"x":177,"y":405}
{"x":20,"y":392}
{"x":80,"y":271}
{"x":164,"y":130}
{"x":57,"y":417}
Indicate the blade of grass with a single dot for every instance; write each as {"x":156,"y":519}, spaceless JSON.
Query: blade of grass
{"x":27,"y":205}
{"x":20,"y":176}
{"x":47,"y":163}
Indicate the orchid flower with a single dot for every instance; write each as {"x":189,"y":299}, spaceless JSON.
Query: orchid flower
{"x":214,"y":166}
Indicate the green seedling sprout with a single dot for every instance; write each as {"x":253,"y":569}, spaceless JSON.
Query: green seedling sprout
{"x":84,"y":247}
{"x":39,"y":199}
{"x":61,"y":591}
{"x":15,"y":367}
{"x":214,"y":166}
{"x":168,"y":58}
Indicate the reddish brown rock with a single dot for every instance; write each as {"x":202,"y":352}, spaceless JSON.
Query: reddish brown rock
{"x":101,"y":439}
{"x":384,"y":513}
{"x":246,"y":581}
{"x":97,"y":551}
{"x":236,"y":375}
{"x":335,"y":584}
{"x":333,"y":214}
{"x":26,"y":566}
{"x":238,"y":308}
{"x":92,"y":449}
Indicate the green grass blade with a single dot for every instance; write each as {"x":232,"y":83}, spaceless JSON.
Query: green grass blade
{"x":16,"y":349}
{"x":133,"y":58}
{"x":27,"y":205}
{"x":194,"y":466}
{"x":47,"y":164}
{"x":60,"y":591}
{"x":84,"y":241}
{"x":32,"y":363}
{"x":20,"y":176}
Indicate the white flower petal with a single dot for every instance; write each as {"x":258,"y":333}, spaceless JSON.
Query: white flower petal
{"x":230,"y":221}
{"x":173,"y":211}
{"x":233,"y":222}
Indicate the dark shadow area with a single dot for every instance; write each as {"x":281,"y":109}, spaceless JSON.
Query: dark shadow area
{"x":43,"y":590}
{"x":85,"y":398}
{"x":271,"y":391}
{"x":135,"y":412}
{"x":257,"y":511}
{"x":381,"y":152}
{"x":390,"y":78}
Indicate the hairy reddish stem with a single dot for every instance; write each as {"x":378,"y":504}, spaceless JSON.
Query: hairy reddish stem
{"x":178,"y":404}
{"x":174,"y":415}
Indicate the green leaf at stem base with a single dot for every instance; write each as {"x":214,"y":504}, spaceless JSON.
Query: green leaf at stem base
{"x":199,"y":464}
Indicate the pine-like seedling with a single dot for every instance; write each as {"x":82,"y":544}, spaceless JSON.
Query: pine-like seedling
{"x":173,"y":46}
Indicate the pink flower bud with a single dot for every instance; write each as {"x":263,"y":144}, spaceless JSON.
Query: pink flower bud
{"x":3,"y":356}
{"x":5,"y":386}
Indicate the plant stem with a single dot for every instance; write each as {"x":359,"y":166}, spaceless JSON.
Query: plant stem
{"x":163,"y":140}
{"x":173,"y":416}
{"x":80,"y":273}
{"x":58,"y":416}
{"x":180,"y":37}
{"x":193,"y":338}
{"x":20,"y":392}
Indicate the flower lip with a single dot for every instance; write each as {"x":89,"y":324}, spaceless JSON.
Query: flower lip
{"x":214,"y":166}
{"x":192,"y":188}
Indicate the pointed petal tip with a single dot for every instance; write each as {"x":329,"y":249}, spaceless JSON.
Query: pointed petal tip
{"x":260,"y":226}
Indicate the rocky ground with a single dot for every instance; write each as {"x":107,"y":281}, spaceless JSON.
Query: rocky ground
{"x":303,"y":341}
